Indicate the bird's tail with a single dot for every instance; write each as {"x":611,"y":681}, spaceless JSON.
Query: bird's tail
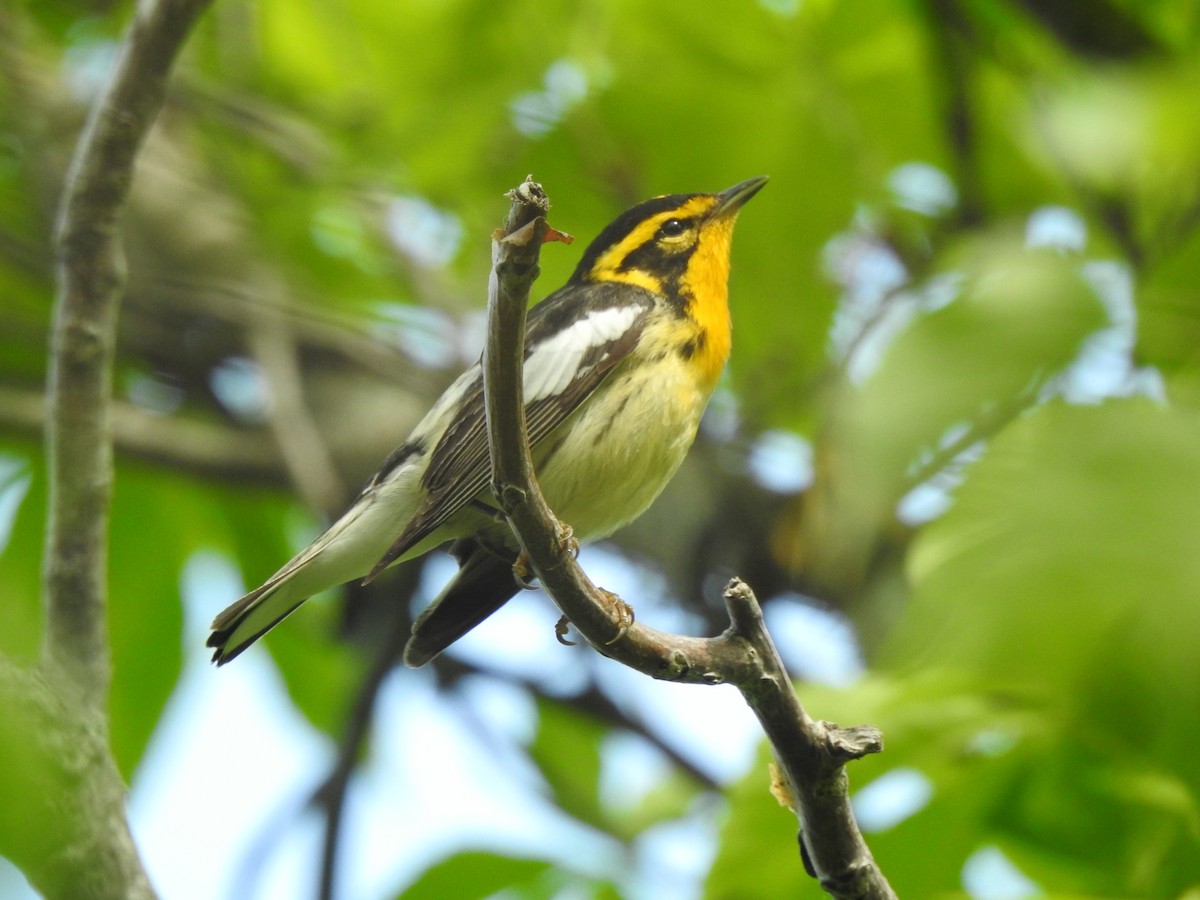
{"x":346,"y":550}
{"x":320,"y":565}
{"x":483,"y":584}
{"x":246,"y":620}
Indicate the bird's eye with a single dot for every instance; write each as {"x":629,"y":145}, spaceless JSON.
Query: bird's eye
{"x":671,"y":228}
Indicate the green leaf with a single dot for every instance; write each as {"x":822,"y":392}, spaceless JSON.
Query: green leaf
{"x":758,"y":854}
{"x":158,"y":521}
{"x":474,"y":876}
{"x":1066,"y":572}
{"x":322,"y":673}
{"x":566,"y":750}
{"x":1072,"y":537}
{"x":21,"y":557}
{"x":1020,"y":319}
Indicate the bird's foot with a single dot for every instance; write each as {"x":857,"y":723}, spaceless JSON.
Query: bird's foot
{"x":621,"y":612}
{"x":523,"y":573}
{"x":566,"y":539}
{"x":560,"y":632}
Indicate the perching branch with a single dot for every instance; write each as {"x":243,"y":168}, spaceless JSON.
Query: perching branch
{"x":811,"y":754}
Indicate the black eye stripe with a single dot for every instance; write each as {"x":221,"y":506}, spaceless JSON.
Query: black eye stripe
{"x":673,"y":227}
{"x":624,"y":225}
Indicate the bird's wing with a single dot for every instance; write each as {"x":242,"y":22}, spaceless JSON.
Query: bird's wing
{"x":572,"y":344}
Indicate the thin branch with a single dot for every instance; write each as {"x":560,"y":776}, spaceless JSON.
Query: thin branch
{"x":313,"y":328}
{"x":296,"y":434}
{"x":330,"y":796}
{"x":591,"y":701}
{"x":811,"y":754}
{"x":208,"y":448}
{"x":91,"y":275}
{"x":949,"y":32}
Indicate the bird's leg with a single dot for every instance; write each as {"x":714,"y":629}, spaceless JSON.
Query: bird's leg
{"x":522,"y":571}
{"x":487,"y":509}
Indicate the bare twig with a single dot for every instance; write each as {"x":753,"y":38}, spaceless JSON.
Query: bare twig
{"x":330,"y":796}
{"x":208,"y":448}
{"x":811,"y":754}
{"x":949,"y":32}
{"x":300,"y":443}
{"x":591,"y":701}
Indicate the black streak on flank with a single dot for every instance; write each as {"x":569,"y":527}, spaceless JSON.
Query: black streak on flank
{"x":688,"y":349}
{"x":612,"y":419}
{"x":397,"y":458}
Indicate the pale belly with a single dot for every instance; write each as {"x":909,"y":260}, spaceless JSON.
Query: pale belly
{"x":612,"y":459}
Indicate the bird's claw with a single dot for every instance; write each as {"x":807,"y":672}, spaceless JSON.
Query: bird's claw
{"x":622,"y":612}
{"x":522,"y":573}
{"x":567,"y":540}
{"x":560,"y":632}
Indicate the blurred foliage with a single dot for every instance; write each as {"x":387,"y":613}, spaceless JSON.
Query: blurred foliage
{"x":970,"y":288}
{"x":478,"y":875}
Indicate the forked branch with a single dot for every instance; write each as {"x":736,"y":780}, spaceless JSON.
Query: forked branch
{"x":811,"y":754}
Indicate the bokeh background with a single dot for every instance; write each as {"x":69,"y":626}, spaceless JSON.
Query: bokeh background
{"x":956,"y":452}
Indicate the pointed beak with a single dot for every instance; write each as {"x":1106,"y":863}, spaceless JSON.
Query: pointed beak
{"x":731,"y":200}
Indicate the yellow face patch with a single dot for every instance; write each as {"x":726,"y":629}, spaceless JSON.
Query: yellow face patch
{"x":699,"y":285}
{"x":608,"y":266}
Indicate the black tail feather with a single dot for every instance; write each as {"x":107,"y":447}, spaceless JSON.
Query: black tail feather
{"x":230,"y":619}
{"x":483,"y":584}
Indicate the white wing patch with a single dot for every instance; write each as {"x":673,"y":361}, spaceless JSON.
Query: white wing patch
{"x":555,"y":362}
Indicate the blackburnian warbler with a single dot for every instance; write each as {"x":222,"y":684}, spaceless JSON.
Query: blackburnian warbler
{"x":619,"y":365}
